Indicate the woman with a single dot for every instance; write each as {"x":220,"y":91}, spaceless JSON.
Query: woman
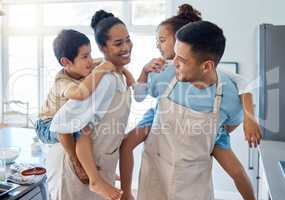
{"x":108,"y":108}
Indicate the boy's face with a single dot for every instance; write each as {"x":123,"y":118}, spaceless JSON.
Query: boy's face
{"x":119,"y":46}
{"x":188,"y":69}
{"x":82,"y":64}
{"x":165,"y":42}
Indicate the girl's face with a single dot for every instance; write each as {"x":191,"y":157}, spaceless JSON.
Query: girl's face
{"x":119,"y":46}
{"x":165,"y":42}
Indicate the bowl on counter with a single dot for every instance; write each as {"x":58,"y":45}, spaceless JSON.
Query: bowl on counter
{"x":9,"y":154}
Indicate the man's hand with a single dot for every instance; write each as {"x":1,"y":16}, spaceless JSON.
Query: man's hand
{"x":79,"y":171}
{"x":127,"y":196}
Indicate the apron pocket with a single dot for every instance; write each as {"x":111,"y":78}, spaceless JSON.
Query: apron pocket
{"x":165,"y":168}
{"x":194,"y":181}
{"x":150,"y":186}
{"x":194,"y":147}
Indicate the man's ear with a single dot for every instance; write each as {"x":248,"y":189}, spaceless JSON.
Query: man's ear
{"x":208,"y":66}
{"x":65,"y":61}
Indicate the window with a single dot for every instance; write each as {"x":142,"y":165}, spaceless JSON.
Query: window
{"x":73,"y":14}
{"x":31,"y":27}
{"x":24,"y":16}
{"x":148,"y":13}
{"x":23,"y":72}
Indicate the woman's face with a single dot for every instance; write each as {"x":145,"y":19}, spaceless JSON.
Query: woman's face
{"x":165,"y":42}
{"x":119,"y":46}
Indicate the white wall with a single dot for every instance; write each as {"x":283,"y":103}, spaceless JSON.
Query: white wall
{"x":1,"y":72}
{"x":240,"y":20}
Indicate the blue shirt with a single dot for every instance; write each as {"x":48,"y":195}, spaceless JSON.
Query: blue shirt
{"x":202,"y":100}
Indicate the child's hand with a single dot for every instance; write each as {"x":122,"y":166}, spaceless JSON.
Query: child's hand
{"x":79,"y":171}
{"x":252,"y":131}
{"x":97,"y":61}
{"x":129,"y":77}
{"x":155,"y":65}
{"x":127,"y":196}
{"x":106,"y":66}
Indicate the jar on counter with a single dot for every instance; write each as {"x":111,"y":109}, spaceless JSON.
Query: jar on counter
{"x":36,"y":148}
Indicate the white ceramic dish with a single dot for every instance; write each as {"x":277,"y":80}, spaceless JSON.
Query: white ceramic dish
{"x":9,"y":154}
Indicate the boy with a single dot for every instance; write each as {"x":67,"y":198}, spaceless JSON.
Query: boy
{"x":77,"y":80}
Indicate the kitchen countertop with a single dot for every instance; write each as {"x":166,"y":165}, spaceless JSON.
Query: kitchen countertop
{"x":23,"y":138}
{"x":271,"y":152}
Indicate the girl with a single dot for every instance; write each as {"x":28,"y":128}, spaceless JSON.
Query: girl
{"x":222,"y":152}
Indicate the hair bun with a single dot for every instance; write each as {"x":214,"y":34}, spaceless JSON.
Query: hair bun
{"x":99,"y":16}
{"x":187,"y":11}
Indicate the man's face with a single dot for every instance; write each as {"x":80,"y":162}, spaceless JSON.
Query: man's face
{"x":188,"y":69}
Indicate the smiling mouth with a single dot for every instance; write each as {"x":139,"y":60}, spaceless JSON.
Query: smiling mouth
{"x":126,"y":55}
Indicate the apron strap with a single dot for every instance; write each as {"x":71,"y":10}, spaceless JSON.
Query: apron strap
{"x":217,"y":105}
{"x":218,"y":96}
{"x":170,"y":87}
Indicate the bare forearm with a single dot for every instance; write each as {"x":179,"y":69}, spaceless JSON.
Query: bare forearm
{"x":87,"y":86}
{"x":252,"y":130}
{"x":247,"y":102}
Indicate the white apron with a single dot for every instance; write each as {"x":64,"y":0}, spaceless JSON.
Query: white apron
{"x":107,"y":137}
{"x":177,"y":162}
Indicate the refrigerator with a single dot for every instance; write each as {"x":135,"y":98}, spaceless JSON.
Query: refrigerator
{"x":271,"y":94}
{"x":272,"y":81}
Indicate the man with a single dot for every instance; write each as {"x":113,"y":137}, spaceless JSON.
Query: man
{"x":195,"y":103}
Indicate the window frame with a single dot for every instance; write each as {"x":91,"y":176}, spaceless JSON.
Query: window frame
{"x":42,"y":31}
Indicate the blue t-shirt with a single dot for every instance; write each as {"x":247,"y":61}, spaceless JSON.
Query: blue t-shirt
{"x":202,"y":100}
